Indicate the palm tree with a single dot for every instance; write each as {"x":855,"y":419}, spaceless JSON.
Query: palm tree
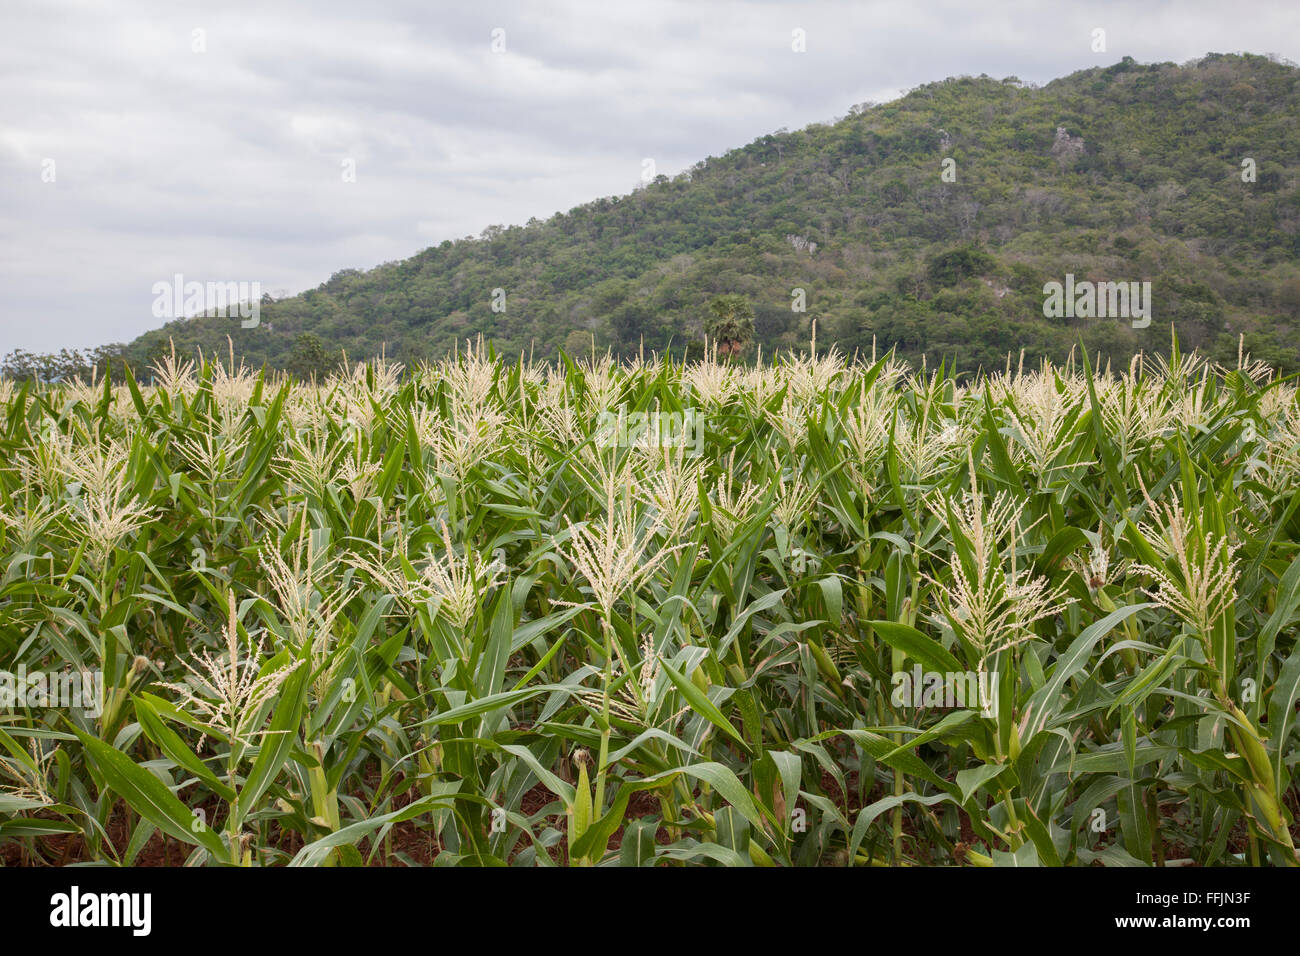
{"x":730,"y":323}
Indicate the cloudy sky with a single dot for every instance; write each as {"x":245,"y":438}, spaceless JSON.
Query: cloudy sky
{"x":143,"y":139}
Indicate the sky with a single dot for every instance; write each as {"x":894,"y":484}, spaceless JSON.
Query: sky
{"x":277,"y":141}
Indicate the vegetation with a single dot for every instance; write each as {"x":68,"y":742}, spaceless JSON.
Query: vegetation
{"x":730,"y":323}
{"x":452,"y":615}
{"x":66,"y":364}
{"x":1125,"y":173}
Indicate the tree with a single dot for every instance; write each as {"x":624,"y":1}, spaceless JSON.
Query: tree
{"x":309,"y":358}
{"x":19,"y":365}
{"x":632,"y":325}
{"x":950,"y":267}
{"x":578,"y":343}
{"x":730,"y":323}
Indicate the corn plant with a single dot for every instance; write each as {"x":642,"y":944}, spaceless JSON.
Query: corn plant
{"x":500,"y":612}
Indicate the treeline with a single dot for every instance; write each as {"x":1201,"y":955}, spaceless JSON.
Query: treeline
{"x":64,"y":365}
{"x":309,"y":358}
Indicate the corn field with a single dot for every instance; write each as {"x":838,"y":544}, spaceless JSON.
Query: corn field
{"x":478,"y":613}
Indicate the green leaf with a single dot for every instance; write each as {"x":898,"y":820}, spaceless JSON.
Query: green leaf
{"x":1076,"y":657}
{"x":925,"y":650}
{"x":701,"y":704}
{"x":1281,"y":715}
{"x":1027,"y":855}
{"x":171,"y":744}
{"x":638,"y":846}
{"x":277,"y":742}
{"x":867,"y":815}
{"x":972,"y":778}
{"x":149,"y":796}
{"x":492,"y":665}
{"x":318,"y":851}
{"x":483,"y":705}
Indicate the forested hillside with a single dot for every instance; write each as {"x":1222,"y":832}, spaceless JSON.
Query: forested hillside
{"x":1127,"y":173}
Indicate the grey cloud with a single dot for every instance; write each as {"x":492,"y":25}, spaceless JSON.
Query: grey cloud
{"x":226,"y":165}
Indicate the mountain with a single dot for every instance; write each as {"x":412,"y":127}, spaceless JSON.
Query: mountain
{"x":1126,"y":173}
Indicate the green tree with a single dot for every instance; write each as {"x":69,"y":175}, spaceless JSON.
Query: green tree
{"x":952,"y":266}
{"x":309,"y":358}
{"x":730,"y":323}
